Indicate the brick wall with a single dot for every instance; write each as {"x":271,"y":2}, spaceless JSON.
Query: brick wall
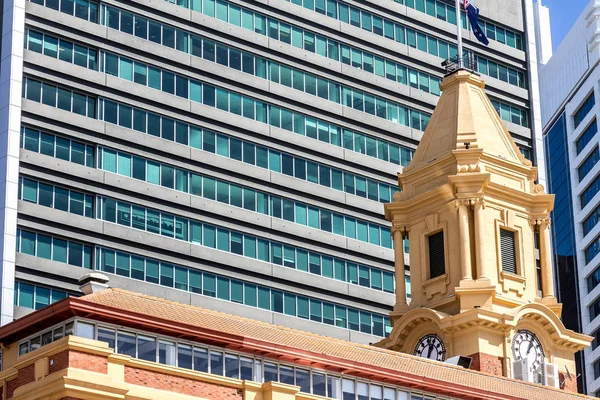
{"x":487,"y":363}
{"x":24,"y":376}
{"x":79,"y":360}
{"x":157,"y":380}
{"x":566,"y":384}
{"x":58,"y":361}
{"x":89,"y":362}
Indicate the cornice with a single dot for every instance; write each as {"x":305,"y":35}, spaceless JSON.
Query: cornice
{"x":411,"y":206}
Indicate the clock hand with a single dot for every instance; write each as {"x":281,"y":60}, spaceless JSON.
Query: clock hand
{"x":430,"y":351}
{"x":530,"y":347}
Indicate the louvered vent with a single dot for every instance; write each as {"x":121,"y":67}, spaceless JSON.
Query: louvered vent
{"x":437,"y":262}
{"x":508,"y":252}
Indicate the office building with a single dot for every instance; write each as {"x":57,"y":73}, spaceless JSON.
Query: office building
{"x":569,"y":89}
{"x":228,"y":153}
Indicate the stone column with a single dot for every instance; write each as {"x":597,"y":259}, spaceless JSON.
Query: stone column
{"x":546,"y":258}
{"x":399,"y":267}
{"x":464,"y":239}
{"x":480,"y":239}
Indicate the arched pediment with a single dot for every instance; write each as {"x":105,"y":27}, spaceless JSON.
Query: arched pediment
{"x":547,"y":322}
{"x":417,"y":319}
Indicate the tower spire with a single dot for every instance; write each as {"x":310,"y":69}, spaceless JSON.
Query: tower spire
{"x":465,"y":117}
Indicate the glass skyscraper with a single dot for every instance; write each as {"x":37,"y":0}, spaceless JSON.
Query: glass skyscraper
{"x":563,"y":230}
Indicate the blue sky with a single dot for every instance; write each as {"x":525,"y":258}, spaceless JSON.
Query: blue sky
{"x":563,"y":14}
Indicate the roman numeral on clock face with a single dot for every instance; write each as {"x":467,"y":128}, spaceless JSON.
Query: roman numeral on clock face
{"x":431,"y":346}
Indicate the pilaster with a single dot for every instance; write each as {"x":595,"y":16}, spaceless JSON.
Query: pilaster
{"x":465,"y":241}
{"x":480,"y":249}
{"x":399,"y":234}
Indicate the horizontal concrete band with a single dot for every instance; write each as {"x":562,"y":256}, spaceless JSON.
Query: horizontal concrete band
{"x":222,"y":214}
{"x":206,"y":259}
{"x":117,"y":37}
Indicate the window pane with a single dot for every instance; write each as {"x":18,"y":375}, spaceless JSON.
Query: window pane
{"x":59,"y":250}
{"x":166,"y":352}
{"x":216,"y":363}
{"x":126,"y":344}
{"x":146,"y":348}
{"x":184,"y":356}
{"x":200,"y":359}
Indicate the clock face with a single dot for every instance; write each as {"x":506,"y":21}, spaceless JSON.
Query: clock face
{"x":432,"y":347}
{"x":527,"y":346}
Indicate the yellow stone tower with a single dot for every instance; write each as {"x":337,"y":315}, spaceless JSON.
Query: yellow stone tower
{"x":475,"y":220}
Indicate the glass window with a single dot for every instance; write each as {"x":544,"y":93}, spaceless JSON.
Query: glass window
{"x":232,"y":368}
{"x":33,"y":90}
{"x":195,"y":281}
{"x":184,"y":356}
{"x":216,"y":363}
{"x":83,"y":330}
{"x":270,"y":372}
{"x":237,"y":291}
{"x":44,"y":247}
{"x":137,"y":268}
{"x":35,"y":41}
{"x":26,"y":295}
{"x":29,"y":190}
{"x":49,"y":94}
{"x":152,"y":271}
{"x":59,"y":250}
{"x":166,"y":274}
{"x":200,"y":359}
{"x":42,"y":297}
{"x":250,"y":294}
{"x":146,"y":348}
{"x":264,"y":298}
{"x":223,"y":288}
{"x":126,"y":344}
{"x":51,"y":46}
{"x":167,"y":352}
{"x":316,"y":310}
{"x":303,"y":380}
{"x":107,"y":336}
{"x":209,"y":285}
{"x":76,"y":254}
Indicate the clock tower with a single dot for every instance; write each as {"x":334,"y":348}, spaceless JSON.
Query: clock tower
{"x":477,"y":224}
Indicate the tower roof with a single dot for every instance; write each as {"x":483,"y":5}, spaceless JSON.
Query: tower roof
{"x":464,"y":114}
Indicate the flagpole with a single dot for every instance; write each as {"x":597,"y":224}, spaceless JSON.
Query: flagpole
{"x":459,"y":34}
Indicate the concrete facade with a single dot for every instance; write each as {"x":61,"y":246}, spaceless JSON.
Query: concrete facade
{"x":11,"y":77}
{"x":364,"y":288}
{"x":543,"y":34}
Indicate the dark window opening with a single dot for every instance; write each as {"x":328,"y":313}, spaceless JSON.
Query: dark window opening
{"x":437,"y":261}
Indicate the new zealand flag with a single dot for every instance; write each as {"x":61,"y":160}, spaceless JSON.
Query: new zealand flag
{"x":473,"y":15}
